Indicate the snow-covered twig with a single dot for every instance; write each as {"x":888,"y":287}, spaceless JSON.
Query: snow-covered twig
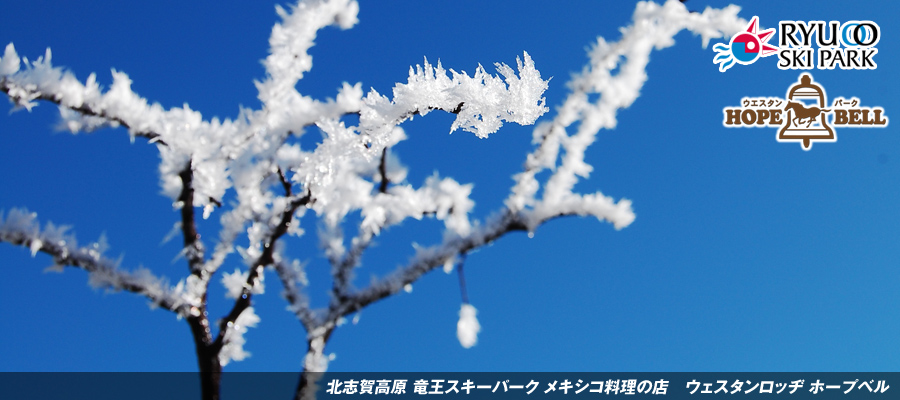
{"x":20,"y":228}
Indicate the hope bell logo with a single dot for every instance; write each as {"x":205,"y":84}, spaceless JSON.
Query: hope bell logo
{"x":802,"y":116}
{"x":806,"y":122}
{"x":745,"y":47}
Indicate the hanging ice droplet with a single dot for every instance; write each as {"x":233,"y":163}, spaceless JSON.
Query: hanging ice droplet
{"x":468,"y":327}
{"x":407,"y":288}
{"x":531,"y":235}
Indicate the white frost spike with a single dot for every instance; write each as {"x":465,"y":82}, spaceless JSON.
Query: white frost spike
{"x":236,"y":281}
{"x":448,"y":265}
{"x":233,"y":349}
{"x":176,"y":230}
{"x":9,"y":64}
{"x":36,"y":245}
{"x":468,"y":327}
{"x":75,"y":122}
{"x":482,"y":102}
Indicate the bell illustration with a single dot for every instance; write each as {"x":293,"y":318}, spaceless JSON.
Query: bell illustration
{"x":805,"y":114}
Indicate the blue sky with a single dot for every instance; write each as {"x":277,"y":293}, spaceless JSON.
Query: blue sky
{"x":746,"y":254}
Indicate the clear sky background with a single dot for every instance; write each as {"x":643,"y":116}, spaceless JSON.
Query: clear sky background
{"x":746,"y":254}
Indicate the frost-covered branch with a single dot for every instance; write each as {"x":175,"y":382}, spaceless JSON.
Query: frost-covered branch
{"x":285,"y":108}
{"x":653,"y":27}
{"x":20,"y":228}
{"x":82,"y":106}
{"x":293,"y":279}
{"x":231,"y":328}
{"x":429,"y":258}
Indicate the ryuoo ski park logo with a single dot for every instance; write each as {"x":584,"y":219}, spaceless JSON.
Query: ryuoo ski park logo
{"x":745,"y":47}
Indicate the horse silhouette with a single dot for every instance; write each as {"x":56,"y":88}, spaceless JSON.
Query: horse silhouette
{"x":802,"y":113}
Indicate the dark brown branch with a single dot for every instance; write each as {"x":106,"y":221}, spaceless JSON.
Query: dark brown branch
{"x":456,"y":110}
{"x":267,"y":258}
{"x":198,"y":319}
{"x":382,"y":169}
{"x":285,"y":183}
{"x":207,"y":356}
{"x":193,"y":247}
{"x":386,"y":287}
{"x":215,"y":201}
{"x":208,"y":353}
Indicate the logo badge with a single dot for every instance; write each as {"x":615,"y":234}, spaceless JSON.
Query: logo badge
{"x":848,"y":45}
{"x":805,"y":114}
{"x":802,"y":116}
{"x":745,"y":47}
